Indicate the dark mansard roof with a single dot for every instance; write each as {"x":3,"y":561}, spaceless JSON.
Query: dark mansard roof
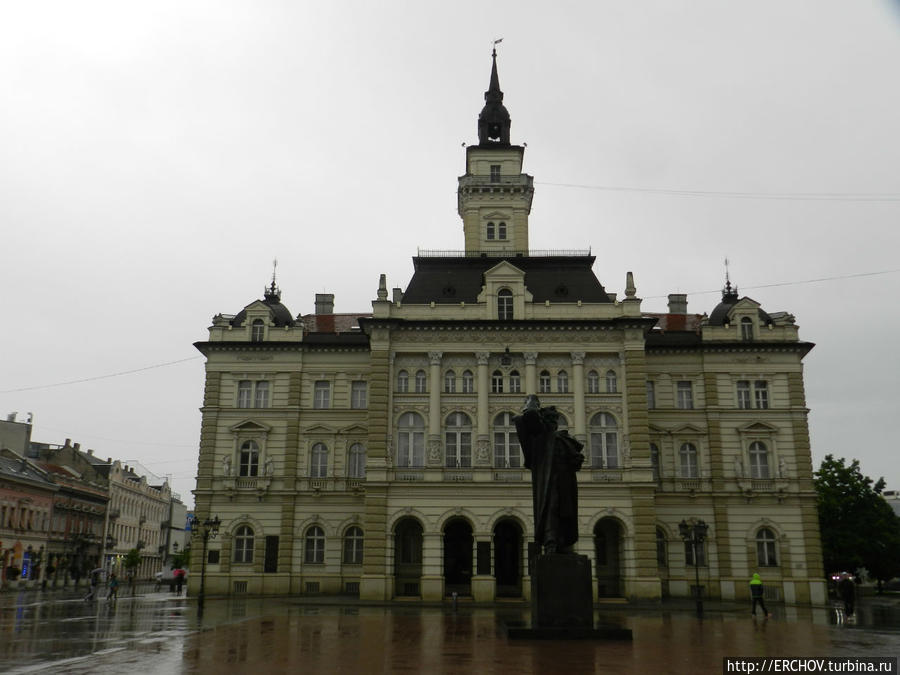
{"x":460,"y":279}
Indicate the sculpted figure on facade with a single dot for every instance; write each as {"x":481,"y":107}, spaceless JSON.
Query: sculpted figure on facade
{"x":553,"y":458}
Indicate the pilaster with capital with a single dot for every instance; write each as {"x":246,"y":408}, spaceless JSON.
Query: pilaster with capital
{"x":483,"y":386}
{"x":434,"y":395}
{"x":578,"y":389}
{"x":530,"y":372}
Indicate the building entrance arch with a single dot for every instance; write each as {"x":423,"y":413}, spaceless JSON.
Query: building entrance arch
{"x":508,"y":559}
{"x":408,"y":557}
{"x":458,"y":541}
{"x":608,"y":557}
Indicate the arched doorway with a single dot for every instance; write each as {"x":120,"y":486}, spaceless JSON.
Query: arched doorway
{"x":608,"y":557}
{"x":508,"y":559}
{"x":408,"y":557}
{"x":458,"y":557}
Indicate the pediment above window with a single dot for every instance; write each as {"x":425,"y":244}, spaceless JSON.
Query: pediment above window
{"x":688,"y":429}
{"x":354,"y":429}
{"x":250,"y":426}
{"x":757,"y":428}
{"x":320,"y":429}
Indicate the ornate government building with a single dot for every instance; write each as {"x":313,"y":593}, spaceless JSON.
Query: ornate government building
{"x":374,"y":454}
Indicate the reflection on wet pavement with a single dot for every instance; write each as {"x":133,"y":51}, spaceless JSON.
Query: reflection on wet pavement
{"x":161,"y":634}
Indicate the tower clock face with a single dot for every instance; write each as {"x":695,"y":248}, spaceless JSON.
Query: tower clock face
{"x":494,"y":131}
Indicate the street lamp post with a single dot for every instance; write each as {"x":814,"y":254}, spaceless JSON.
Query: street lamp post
{"x":694,"y":533}
{"x":208,"y":528}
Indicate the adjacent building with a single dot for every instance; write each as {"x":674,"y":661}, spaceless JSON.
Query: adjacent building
{"x":374,"y":453}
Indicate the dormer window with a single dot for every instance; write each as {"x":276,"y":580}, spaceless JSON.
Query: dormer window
{"x":505,"y":305}
{"x":257,"y":330}
{"x":490,"y":231}
{"x":495,"y":173}
{"x":501,"y":231}
{"x":747,"y":329}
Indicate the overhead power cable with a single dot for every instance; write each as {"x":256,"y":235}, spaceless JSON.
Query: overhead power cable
{"x":734,"y":194}
{"x":100,"y":377}
{"x":790,"y":283}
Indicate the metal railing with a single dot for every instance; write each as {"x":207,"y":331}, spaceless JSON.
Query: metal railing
{"x":499,"y":253}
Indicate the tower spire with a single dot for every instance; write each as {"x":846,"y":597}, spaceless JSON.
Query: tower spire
{"x":273,"y":292}
{"x":493,"y":122}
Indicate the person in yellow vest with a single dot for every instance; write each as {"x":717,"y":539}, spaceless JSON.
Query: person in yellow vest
{"x":756,"y":593}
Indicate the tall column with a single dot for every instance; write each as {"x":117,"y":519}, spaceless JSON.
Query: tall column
{"x":483,"y":387}
{"x":578,"y":389}
{"x":530,"y":372}
{"x":434,"y":396}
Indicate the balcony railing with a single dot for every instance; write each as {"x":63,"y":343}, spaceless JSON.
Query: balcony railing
{"x":507,"y":476}
{"x":458,"y":476}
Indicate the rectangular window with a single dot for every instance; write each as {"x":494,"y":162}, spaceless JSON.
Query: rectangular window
{"x":495,"y":173}
{"x":358,"y":394}
{"x":685,"y":394}
{"x":245,"y":387}
{"x":262,"y":395}
{"x":544,"y":383}
{"x":497,"y":383}
{"x":515,"y":383}
{"x":468,"y":383}
{"x":651,"y":395}
{"x":743,"y":394}
{"x":761,"y":390}
{"x":322,"y":394}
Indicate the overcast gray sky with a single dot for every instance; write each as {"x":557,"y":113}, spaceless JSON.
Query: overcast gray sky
{"x":155,"y":157}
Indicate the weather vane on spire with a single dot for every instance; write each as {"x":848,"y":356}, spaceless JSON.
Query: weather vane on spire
{"x":495,"y":43}
{"x":273,"y":289}
{"x":275,"y":269}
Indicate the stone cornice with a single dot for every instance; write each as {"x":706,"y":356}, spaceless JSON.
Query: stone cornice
{"x":733,"y":347}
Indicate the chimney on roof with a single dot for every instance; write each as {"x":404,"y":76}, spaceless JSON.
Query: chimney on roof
{"x":398,"y":295}
{"x":109,"y":460}
{"x":677,"y":303}
{"x":77,"y":446}
{"x":324,"y":303}
{"x":67,"y":443}
{"x":91,"y":452}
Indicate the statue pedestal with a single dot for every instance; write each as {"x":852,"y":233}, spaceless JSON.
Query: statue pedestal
{"x":562,"y":602}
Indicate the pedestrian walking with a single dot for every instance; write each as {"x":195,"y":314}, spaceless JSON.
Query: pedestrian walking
{"x":756,"y":593}
{"x":847,"y":590}
{"x":92,"y":592}
{"x":179,"y":580}
{"x":113,"y":588}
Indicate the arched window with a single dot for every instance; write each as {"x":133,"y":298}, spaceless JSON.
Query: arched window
{"x":612,"y":385}
{"x":765,"y":548}
{"x":593,"y":382}
{"x":243,"y":545}
{"x":450,"y":382}
{"x":411,"y":440}
{"x":515,"y":382}
{"x":759,"y":460}
{"x":562,"y":382}
{"x":318,"y":462}
{"x":402,"y":381}
{"x":420,"y":381}
{"x":257,"y":330}
{"x":490,"y":231}
{"x":562,"y":424}
{"x":497,"y":382}
{"x":507,"y":453}
{"x":249,"y":460}
{"x":353,"y":546}
{"x":687,"y":456}
{"x":747,"y":329}
{"x":654,"y":461}
{"x":604,"y":442}
{"x":505,"y":305}
{"x":468,"y":382}
{"x":315,"y":545}
{"x":662,"y":555}
{"x":501,"y":231}
{"x":356,"y":461}
{"x":458,"y":440}
{"x":544,"y":382}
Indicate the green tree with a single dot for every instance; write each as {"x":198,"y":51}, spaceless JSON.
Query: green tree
{"x":182,"y":558}
{"x":131,"y":561}
{"x":859,"y":528}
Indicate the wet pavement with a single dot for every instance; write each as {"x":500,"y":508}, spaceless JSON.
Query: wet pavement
{"x":156,"y":632}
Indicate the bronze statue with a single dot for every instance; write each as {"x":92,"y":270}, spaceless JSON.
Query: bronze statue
{"x":553,"y":458}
